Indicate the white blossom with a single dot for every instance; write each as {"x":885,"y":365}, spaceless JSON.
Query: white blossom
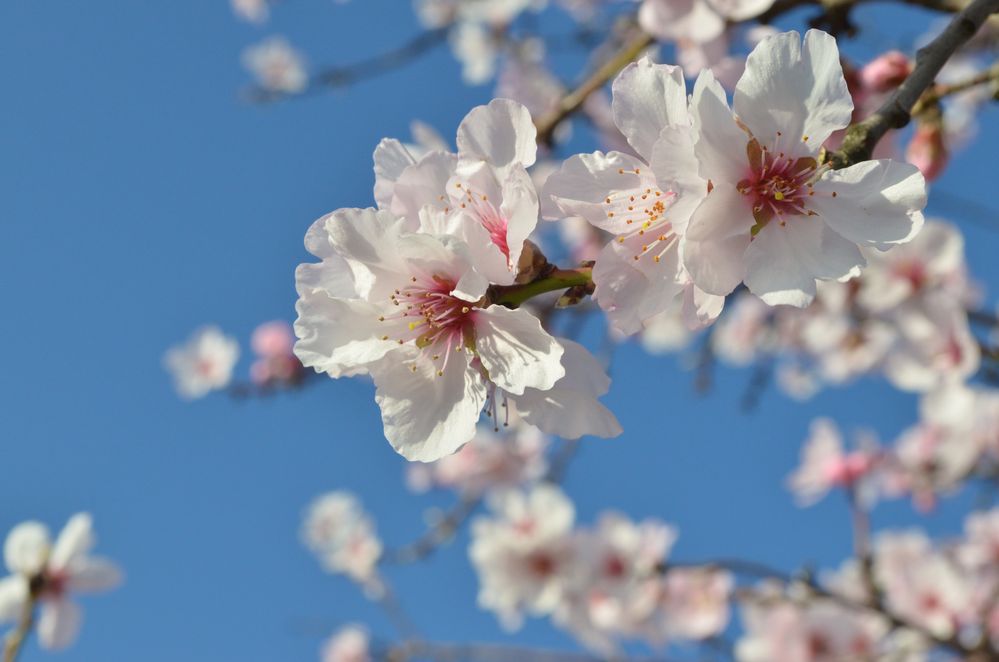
{"x":203,"y":364}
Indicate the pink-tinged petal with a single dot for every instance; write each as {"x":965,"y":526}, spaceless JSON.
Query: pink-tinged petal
{"x":740,"y":10}
{"x":501,"y":133}
{"x":570,"y":408}
{"x":516,"y":351}
{"x":59,"y":624}
{"x":585,"y":181}
{"x":670,"y":20}
{"x":676,"y":168}
{"x":368,"y":240}
{"x":648,"y":97}
{"x":426,"y":415}
{"x":93,"y":575}
{"x":74,"y":541}
{"x":716,"y":239}
{"x":391,"y":158}
{"x":332,"y":276}
{"x":876,"y":203}
{"x":339,"y":336}
{"x":631,"y":295}
{"x":520,"y":208}
{"x":13,"y":595}
{"x":783,"y":262}
{"x":27,"y":547}
{"x":424,"y":183}
{"x":720,"y":146}
{"x":796,"y":90}
{"x":700,"y":309}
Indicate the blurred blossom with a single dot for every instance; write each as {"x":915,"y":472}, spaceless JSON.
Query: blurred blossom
{"x":825,"y":465}
{"x":743,"y":331}
{"x":53,"y":572}
{"x":490,"y":461}
{"x":277,"y":66}
{"x":350,"y":643}
{"x":273,"y":343}
{"x":342,"y":536}
{"x":885,"y":72}
{"x":927,"y":149}
{"x":203,"y":364}
{"x":254,"y":11}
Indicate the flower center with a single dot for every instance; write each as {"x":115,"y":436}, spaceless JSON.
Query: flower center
{"x":436,"y":321}
{"x":778,"y":185}
{"x":643,"y":211}
{"x":491,"y":218}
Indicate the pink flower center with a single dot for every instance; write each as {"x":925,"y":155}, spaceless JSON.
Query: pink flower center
{"x":436,"y":321}
{"x":778,"y":185}
{"x":643,"y":211}
{"x":614,"y":566}
{"x":541,"y":564}
{"x":491,"y":218}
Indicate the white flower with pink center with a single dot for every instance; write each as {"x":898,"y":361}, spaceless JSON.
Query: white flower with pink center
{"x":53,"y":572}
{"x":342,"y":536}
{"x":825,"y":465}
{"x":416,"y":323}
{"x":776,"y":219}
{"x":482,"y":194}
{"x":203,"y":364}
{"x":351,"y":643}
{"x":645,"y":201}
{"x":277,"y":66}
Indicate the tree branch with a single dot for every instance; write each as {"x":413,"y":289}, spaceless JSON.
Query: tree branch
{"x":16,"y":638}
{"x":860,"y":140}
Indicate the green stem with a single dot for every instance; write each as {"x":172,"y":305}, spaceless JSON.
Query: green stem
{"x":559,"y":279}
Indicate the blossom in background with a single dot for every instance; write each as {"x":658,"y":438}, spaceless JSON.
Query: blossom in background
{"x":524,"y":553}
{"x":415,"y":326}
{"x":775,"y":218}
{"x":203,"y":364}
{"x":826,"y":465}
{"x":52,"y":572}
{"x":276,"y":364}
{"x":254,"y":11}
{"x":342,"y":536}
{"x":277,"y":66}
{"x":491,"y":460}
{"x":643,"y":201}
{"x":695,"y":602}
{"x":350,"y":643}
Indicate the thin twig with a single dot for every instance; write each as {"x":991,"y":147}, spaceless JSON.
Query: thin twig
{"x":437,"y":535}
{"x":938,"y":92}
{"x":16,"y":638}
{"x":861,"y":138}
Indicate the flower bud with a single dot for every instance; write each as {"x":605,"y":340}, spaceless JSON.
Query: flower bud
{"x":885,"y":72}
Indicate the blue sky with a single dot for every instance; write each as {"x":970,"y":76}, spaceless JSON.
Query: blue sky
{"x":140,"y":198}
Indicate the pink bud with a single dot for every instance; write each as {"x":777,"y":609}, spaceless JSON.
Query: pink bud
{"x":885,"y":72}
{"x":273,"y":339}
{"x":927,"y":150}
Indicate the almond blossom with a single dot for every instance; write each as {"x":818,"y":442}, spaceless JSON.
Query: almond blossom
{"x":776,"y":218}
{"x":350,"y":643}
{"x":825,"y":465}
{"x":276,"y":364}
{"x":524,"y":553}
{"x":414,"y":323}
{"x":277,"y":66}
{"x":203,"y":364}
{"x":342,"y":536}
{"x":645,"y":201}
{"x":52,"y":573}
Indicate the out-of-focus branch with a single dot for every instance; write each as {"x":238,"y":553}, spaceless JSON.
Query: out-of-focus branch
{"x":861,"y":526}
{"x":938,"y":92}
{"x":16,"y":638}
{"x":571,"y":102}
{"x":837,"y":9}
{"x":861,"y":138}
{"x":341,"y":76}
{"x":438,"y":534}
{"x":487,"y":652}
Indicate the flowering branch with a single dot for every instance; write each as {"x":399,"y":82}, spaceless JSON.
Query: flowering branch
{"x":487,"y":652}
{"x":896,"y":113}
{"x":554,"y":280}
{"x":571,"y":102}
{"x":16,"y":638}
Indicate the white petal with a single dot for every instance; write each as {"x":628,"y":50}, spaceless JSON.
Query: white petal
{"x":740,"y":10}
{"x":422,"y":184}
{"x":798,"y":91}
{"x":700,"y":308}
{"x":391,"y":158}
{"x":716,"y":239}
{"x":718,"y":135}
{"x":520,"y":208}
{"x":676,"y":168}
{"x":631,"y":296}
{"x":670,"y":20}
{"x":782,"y":263}
{"x":648,"y":97}
{"x":74,"y":541}
{"x":27,"y":547}
{"x":427,"y":416}
{"x":338,"y":336}
{"x":500,"y":133}
{"x":13,"y":595}
{"x":877,"y":203}
{"x":368,"y":239}
{"x":59,"y":624}
{"x":516,"y":351}
{"x":93,"y":575}
{"x":583,"y":183}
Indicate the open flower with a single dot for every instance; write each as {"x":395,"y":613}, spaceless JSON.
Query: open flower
{"x":203,"y":364}
{"x":826,"y":465}
{"x":416,"y":324}
{"x":645,"y":201}
{"x":342,"y":536}
{"x":52,"y":573}
{"x":277,"y":66}
{"x":776,"y":218}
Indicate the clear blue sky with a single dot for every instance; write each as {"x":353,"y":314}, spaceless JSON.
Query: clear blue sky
{"x":140,"y":198}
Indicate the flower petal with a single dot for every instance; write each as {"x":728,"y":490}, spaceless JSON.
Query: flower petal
{"x":717,"y":132}
{"x":59,"y":624}
{"x":27,"y":548}
{"x":716,"y":239}
{"x":584,"y":182}
{"x":500,"y":133}
{"x":516,"y":351}
{"x":877,"y":203}
{"x":391,"y":158}
{"x":74,"y":541}
{"x":13,"y":595}
{"x":338,"y":336}
{"x":93,"y":575}
{"x":422,"y":184}
{"x":368,"y":239}
{"x":648,"y":97}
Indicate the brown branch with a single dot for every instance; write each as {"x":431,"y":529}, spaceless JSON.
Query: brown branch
{"x":489,"y":652}
{"x":16,"y":638}
{"x":938,"y":92}
{"x":896,"y":113}
{"x":571,"y":102}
